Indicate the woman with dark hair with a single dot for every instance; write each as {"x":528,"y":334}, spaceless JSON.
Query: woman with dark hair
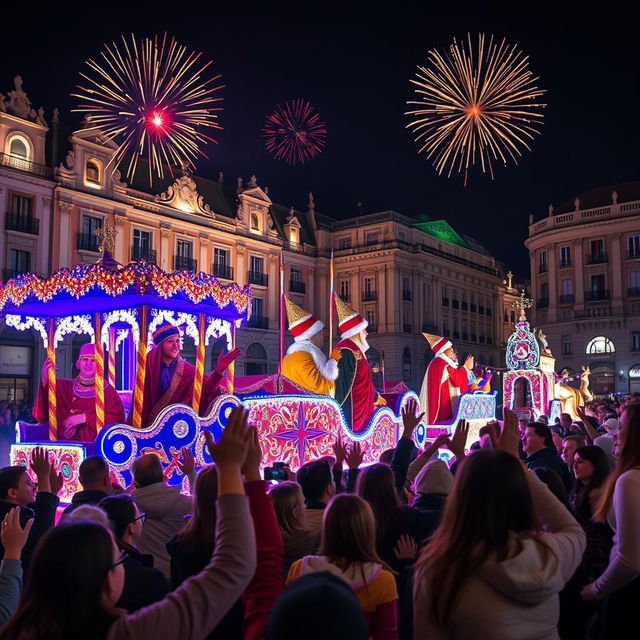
{"x":347,"y":550}
{"x":618,"y":505}
{"x":76,"y":574}
{"x":143,"y":584}
{"x":489,"y":570}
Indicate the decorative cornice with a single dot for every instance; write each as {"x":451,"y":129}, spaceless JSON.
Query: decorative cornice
{"x":183,"y":195}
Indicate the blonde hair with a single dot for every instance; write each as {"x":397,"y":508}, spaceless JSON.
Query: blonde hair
{"x":628,"y":458}
{"x":286,"y":497}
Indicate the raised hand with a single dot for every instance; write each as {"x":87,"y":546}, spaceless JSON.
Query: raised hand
{"x":40,"y":464}
{"x":355,"y":456}
{"x":251,"y":466}
{"x":13,"y":536}
{"x":457,"y":443}
{"x":509,"y":438}
{"x":406,"y":548}
{"x":339,"y":452}
{"x":56,"y":480}
{"x":410,"y":418}
{"x":469,"y":362}
{"x":225,"y":359}
{"x":188,"y":463}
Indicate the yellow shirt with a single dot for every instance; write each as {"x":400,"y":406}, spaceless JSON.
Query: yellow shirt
{"x":301,"y":368}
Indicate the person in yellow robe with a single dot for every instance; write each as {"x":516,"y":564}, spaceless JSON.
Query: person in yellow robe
{"x":305,"y":363}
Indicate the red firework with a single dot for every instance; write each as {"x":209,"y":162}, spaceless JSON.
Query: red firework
{"x":294,"y":133}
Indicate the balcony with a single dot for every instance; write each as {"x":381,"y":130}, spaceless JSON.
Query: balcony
{"x":465,"y":306}
{"x":633,"y":292}
{"x":258,"y":322}
{"x":257,"y":277}
{"x":564,"y":264}
{"x":543,"y":303}
{"x":597,"y":258}
{"x":87,"y":242}
{"x":138,"y":253}
{"x":297,"y":286}
{"x":19,"y":222}
{"x":598,"y":294}
{"x":428,"y":327}
{"x":406,"y":295}
{"x":594,"y":311}
{"x":473,"y":308}
{"x":40,"y":170}
{"x":445,"y":302}
{"x":8,"y":274}
{"x":222,"y":271}
{"x":184,"y":263}
{"x":633,"y":253}
{"x":566,"y":298}
{"x":407,"y":328}
{"x":455,"y":304}
{"x":346,"y":296}
{"x":369,"y":296}
{"x":481,"y":310}
{"x":543,"y":268}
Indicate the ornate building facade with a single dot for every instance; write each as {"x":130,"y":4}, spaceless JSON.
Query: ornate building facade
{"x":585,"y":274}
{"x":405,"y":276}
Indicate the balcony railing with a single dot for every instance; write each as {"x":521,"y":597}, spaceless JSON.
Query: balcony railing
{"x":258,"y":322}
{"x":543,"y":303}
{"x":473,"y":308}
{"x":428,"y":327}
{"x":257,"y":277}
{"x":633,"y":253}
{"x":567,"y":298}
{"x":346,"y":296}
{"x":87,"y":242}
{"x":406,"y":295}
{"x":222,"y":271}
{"x":20,"y":222}
{"x":455,"y":304}
{"x":565,"y":263}
{"x":297,"y":286}
{"x":597,"y":258}
{"x":369,"y":296}
{"x":137,"y":253}
{"x":8,"y":274}
{"x":543,"y":268}
{"x":41,"y":170}
{"x":633,"y":292}
{"x":599,"y":294}
{"x":407,"y":328}
{"x":445,"y":302}
{"x":185,"y":263}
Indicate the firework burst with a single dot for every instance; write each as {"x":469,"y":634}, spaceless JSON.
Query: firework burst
{"x":154,"y":99}
{"x":475,"y":105}
{"x":294,"y":133}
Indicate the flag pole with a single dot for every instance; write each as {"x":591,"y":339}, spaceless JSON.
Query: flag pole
{"x":331,"y":294}
{"x":383,"y":381}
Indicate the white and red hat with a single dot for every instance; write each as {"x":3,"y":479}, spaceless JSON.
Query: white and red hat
{"x":437,"y":343}
{"x":350,"y":322}
{"x":302,"y":324}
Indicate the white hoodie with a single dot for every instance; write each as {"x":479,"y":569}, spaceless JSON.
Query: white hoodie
{"x":516,"y":599}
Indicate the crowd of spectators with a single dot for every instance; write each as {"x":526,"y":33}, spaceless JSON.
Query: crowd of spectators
{"x":531,"y":532}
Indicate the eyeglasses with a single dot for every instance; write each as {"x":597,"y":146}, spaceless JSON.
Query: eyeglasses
{"x":142,"y":516}
{"x":120,"y":560}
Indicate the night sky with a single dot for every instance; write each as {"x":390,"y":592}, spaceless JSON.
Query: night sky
{"x":353,"y":61}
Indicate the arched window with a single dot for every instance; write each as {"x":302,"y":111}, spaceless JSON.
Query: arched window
{"x":406,"y":366}
{"x":19,"y":147}
{"x":600,"y":344}
{"x":255,"y":221}
{"x":256,"y":360}
{"x":92,"y":172}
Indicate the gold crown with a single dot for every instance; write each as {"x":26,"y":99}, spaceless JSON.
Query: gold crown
{"x":344,"y":310}
{"x":294,"y":312}
{"x":432,"y":339}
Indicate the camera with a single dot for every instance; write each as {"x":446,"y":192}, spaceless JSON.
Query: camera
{"x":276,"y":472}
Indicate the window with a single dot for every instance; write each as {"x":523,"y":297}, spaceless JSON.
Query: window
{"x":19,"y":147}
{"x":256,"y":360}
{"x":513,"y":317}
{"x":633,"y":246}
{"x":566,"y":345}
{"x":371,"y":238}
{"x":21,"y":205}
{"x":565,"y":255}
{"x":92,"y":172}
{"x":257,"y":307}
{"x":635,"y":341}
{"x":542,"y":256}
{"x":371,"y":319}
{"x":256,"y":264}
{"x":184,"y":249}
{"x":255,"y":222}
{"x":141,"y":240}
{"x":406,"y":366}
{"x":566,"y":286}
{"x":597,"y":283}
{"x":345,"y":290}
{"x":90,"y":224}
{"x":597,"y":247}
{"x":634,"y":282}
{"x":544,"y":291}
{"x":294,"y":235}
{"x":445,"y":328}
{"x":220,"y":257}
{"x":600,"y":344}
{"x":296,"y":276}
{"x":344,"y":243}
{"x":20,"y":261}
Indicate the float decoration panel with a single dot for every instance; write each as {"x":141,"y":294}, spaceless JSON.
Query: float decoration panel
{"x":523,"y":350}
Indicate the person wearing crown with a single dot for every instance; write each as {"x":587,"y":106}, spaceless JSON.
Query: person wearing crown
{"x":354,"y":386}
{"x":305,"y":364}
{"x":76,"y":400}
{"x":169,"y":379}
{"x":443,"y":381}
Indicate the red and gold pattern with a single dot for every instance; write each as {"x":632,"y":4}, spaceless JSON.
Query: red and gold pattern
{"x":51,"y":381}
{"x":138,"y":392}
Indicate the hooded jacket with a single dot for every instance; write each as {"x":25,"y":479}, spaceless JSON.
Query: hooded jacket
{"x":165,"y":507}
{"x":515,"y":599}
{"x":374,"y":587}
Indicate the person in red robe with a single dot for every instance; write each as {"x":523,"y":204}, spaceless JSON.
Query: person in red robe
{"x":76,"y":400}
{"x":354,"y":386}
{"x":443,"y":381}
{"x":169,"y":379}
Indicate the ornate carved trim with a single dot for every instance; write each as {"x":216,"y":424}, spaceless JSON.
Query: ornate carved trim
{"x":164,"y":233}
{"x":183,"y":195}
{"x":119,"y":220}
